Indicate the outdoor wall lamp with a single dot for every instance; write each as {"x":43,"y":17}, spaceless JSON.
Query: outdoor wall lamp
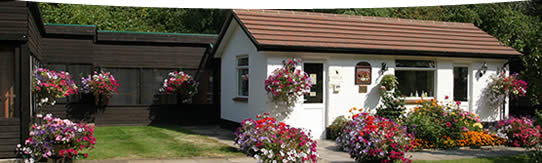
{"x":384,"y":68}
{"x":483,"y":69}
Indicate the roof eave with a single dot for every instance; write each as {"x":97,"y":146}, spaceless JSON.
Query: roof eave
{"x":224,"y":31}
{"x":382,"y":51}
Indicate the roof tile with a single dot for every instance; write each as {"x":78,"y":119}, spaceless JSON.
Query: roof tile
{"x":308,"y":29}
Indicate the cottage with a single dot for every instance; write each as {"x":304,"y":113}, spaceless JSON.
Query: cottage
{"x":346,"y":56}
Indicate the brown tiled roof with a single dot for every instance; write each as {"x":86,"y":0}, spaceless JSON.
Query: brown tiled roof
{"x":319,"y":30}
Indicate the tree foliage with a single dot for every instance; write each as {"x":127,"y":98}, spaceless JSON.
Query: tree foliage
{"x":139,"y":19}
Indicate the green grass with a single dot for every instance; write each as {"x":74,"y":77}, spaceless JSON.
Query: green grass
{"x":523,"y":158}
{"x":150,"y":142}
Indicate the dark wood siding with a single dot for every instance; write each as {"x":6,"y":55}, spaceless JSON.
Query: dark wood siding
{"x":34,"y":35}
{"x":155,"y":37}
{"x":9,"y":137}
{"x":139,"y":115}
{"x":147,"y":56}
{"x":78,"y":30}
{"x":13,"y":17}
{"x":60,"y":50}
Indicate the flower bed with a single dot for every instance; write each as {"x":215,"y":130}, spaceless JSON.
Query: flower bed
{"x":57,"y":139}
{"x":433,"y":120}
{"x":268,"y":140}
{"x":469,"y":139}
{"x":49,"y":85}
{"x":102,"y":85}
{"x":180,"y":84}
{"x":286,"y":84}
{"x":370,"y":138}
{"x":445,"y":125}
{"x":520,"y":132}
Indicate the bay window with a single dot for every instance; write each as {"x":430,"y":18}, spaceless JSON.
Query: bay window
{"x":416,"y":77}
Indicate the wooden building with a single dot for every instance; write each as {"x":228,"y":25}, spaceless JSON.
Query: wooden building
{"x":139,"y":61}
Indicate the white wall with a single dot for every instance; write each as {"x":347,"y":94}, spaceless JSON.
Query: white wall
{"x":239,"y":44}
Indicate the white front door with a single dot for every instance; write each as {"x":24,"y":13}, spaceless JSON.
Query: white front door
{"x":313,"y":103}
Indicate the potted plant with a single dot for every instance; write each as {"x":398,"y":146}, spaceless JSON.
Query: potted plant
{"x":56,"y":140}
{"x":101,"y":85}
{"x":50,"y":85}
{"x":182,"y":85}
{"x":286,"y":84}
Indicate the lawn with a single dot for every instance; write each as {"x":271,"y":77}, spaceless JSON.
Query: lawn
{"x":152,"y":142}
{"x":508,"y":159}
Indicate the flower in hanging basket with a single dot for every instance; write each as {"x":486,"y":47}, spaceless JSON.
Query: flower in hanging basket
{"x":181,"y":84}
{"x":286,"y":84}
{"x":502,"y":85}
{"x":49,"y":85}
{"x":53,"y":137}
{"x":101,"y":85}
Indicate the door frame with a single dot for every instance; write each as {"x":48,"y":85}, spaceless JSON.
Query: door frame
{"x":469,"y":83}
{"x":325,"y":96}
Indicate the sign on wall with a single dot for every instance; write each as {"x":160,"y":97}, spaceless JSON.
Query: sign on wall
{"x":363,"y":73}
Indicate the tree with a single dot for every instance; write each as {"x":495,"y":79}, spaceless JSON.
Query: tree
{"x":138,"y":19}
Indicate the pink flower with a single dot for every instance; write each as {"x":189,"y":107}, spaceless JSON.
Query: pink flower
{"x":448,"y":124}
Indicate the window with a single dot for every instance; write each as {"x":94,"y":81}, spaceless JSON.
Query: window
{"x":316,"y":72}
{"x":416,"y":78}
{"x":461,"y":78}
{"x":151,"y":82}
{"x":242,"y":76}
{"x":128,"y":90}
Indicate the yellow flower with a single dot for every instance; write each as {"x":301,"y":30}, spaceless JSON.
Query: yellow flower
{"x":479,"y":125}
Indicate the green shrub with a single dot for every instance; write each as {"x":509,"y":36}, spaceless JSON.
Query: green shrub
{"x":336,"y":127}
{"x":389,"y":82}
{"x":392,"y":106}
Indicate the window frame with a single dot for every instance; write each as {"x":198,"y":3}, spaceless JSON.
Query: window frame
{"x":468,"y":80}
{"x":433,"y":69}
{"x":237,"y":69}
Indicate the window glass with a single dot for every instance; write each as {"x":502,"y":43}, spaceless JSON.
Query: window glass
{"x":151,"y":82}
{"x":243,"y":81}
{"x":416,"y":83}
{"x":315,"y":71}
{"x":128,"y":81}
{"x":242,"y":61}
{"x":79,"y":71}
{"x":461,"y":75}
{"x":7,"y":83}
{"x":414,"y":64}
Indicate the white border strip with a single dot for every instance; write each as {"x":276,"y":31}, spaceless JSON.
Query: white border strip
{"x":273,"y":4}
